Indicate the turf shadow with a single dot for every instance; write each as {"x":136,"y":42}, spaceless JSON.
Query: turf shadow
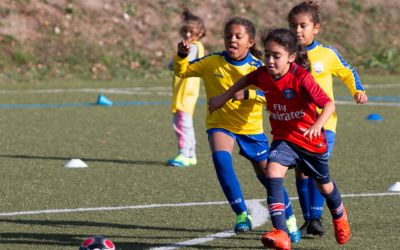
{"x":67,"y":240}
{"x":129,"y":162}
{"x":77,"y":223}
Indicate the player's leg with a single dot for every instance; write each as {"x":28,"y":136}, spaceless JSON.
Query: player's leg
{"x":317,"y":167}
{"x":183,"y":126}
{"x":317,"y":201}
{"x":281,"y":157}
{"x":304,"y":198}
{"x":278,"y":238}
{"x":338,"y":211}
{"x":221,"y":144}
{"x":255,"y":148}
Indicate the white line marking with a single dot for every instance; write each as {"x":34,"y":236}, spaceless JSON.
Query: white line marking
{"x":383,"y":85}
{"x":93,"y":209}
{"x":389,"y":104}
{"x":126,"y":91}
{"x":259,"y":215}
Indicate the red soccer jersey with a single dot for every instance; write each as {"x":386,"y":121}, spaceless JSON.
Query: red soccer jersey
{"x":291,"y":103}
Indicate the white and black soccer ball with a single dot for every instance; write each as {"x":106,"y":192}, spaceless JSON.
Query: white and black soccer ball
{"x":97,"y":243}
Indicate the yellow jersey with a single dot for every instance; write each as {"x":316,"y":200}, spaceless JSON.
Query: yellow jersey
{"x":325,"y":63}
{"x":219,"y":73}
{"x":185,"y":91}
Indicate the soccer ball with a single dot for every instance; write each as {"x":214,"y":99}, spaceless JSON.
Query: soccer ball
{"x":97,"y":243}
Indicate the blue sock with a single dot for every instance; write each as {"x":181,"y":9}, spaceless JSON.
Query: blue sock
{"x":334,"y":202}
{"x":304,"y":197}
{"x":288,"y":205}
{"x":316,"y":200}
{"x":276,"y":204}
{"x":228,"y":180}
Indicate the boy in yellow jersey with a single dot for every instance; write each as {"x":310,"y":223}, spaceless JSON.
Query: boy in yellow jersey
{"x":239,"y":121}
{"x":325,"y":62}
{"x":185,"y":92}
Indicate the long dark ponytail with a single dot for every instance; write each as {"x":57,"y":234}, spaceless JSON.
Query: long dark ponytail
{"x":288,"y":40}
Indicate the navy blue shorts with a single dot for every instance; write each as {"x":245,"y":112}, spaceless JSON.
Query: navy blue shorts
{"x":311,"y":164}
{"x":253,"y":147}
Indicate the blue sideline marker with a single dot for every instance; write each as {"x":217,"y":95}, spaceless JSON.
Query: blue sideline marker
{"x":374,"y":117}
{"x":102,"y":100}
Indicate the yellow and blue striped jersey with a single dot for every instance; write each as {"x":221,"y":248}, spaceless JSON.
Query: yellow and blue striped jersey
{"x":326,"y":62}
{"x":185,"y":91}
{"x":219,"y":73}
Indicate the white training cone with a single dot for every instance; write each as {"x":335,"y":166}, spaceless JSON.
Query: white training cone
{"x":395,"y":187}
{"x":75,"y":163}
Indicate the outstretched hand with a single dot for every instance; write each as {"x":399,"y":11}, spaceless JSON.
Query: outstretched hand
{"x":216,"y":102}
{"x":184,"y":48}
{"x":360,"y":98}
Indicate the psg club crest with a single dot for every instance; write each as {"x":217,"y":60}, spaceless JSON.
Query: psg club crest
{"x":289,"y":94}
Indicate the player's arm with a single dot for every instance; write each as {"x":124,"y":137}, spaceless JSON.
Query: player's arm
{"x":217,"y":102}
{"x":182,"y":68}
{"x":318,"y":96}
{"x":348,"y":75}
{"x":315,"y":130}
{"x":253,"y":94}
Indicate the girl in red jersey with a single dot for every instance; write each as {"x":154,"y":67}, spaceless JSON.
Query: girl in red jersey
{"x":298,"y":136}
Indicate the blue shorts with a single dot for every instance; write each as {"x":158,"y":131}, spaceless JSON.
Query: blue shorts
{"x":311,"y":164}
{"x":330,"y":141}
{"x":253,"y":147}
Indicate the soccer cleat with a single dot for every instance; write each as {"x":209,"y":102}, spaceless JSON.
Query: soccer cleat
{"x":315,"y":227}
{"x":342,"y":229}
{"x":192,"y":160}
{"x":182,"y":161}
{"x":276,"y":239}
{"x":243,"y":223}
{"x":303,"y":229}
{"x":294,"y":232}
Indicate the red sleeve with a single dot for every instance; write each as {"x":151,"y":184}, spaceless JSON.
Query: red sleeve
{"x":315,"y":92}
{"x":254,"y":77}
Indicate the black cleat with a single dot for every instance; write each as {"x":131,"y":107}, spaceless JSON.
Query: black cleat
{"x":303,"y":229}
{"x":315,"y":227}
{"x":312,"y":227}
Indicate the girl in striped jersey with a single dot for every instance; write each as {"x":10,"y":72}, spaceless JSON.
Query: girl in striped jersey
{"x":236,"y":121}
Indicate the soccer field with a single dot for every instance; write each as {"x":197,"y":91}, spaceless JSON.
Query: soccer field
{"x":127,"y":193}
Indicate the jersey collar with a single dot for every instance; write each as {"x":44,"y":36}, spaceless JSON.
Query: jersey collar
{"x":238,"y":63}
{"x":312,"y":45}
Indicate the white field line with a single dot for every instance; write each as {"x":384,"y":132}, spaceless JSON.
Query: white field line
{"x":156,"y":90}
{"x":162,"y":91}
{"x":352,"y":103}
{"x":381,"y":86}
{"x":94,"y":209}
{"x":259,"y":213}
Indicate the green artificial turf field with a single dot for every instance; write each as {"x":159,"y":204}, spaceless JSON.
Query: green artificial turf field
{"x":127,"y":193}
